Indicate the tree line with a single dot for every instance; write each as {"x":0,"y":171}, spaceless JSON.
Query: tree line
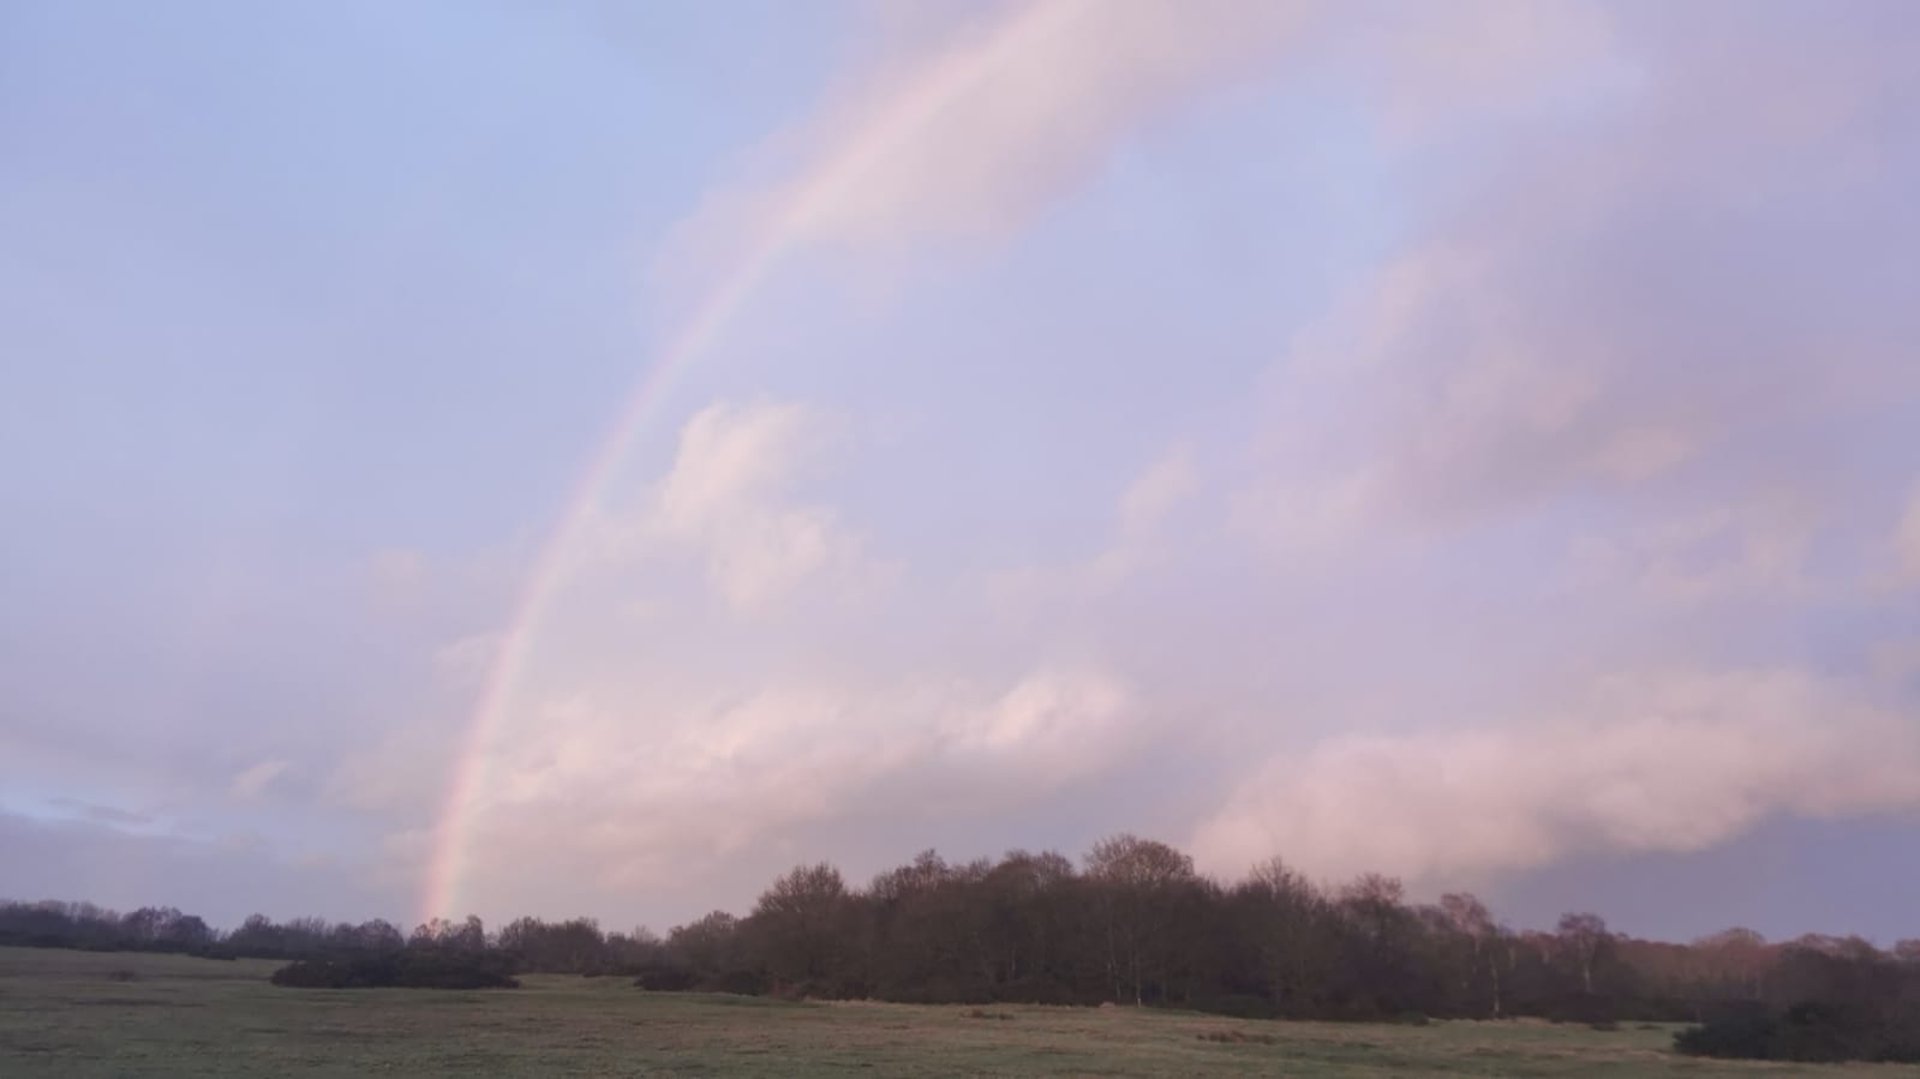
{"x":1133,"y":923}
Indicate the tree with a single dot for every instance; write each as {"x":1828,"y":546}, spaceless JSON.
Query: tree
{"x":799,"y":923}
{"x":1737,"y":957}
{"x":1029,"y":925}
{"x":709,"y":950}
{"x":1284,"y":915}
{"x":1582,"y":935}
{"x":1467,"y":917}
{"x":1139,"y":881}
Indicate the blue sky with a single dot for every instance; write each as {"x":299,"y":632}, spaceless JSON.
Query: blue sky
{"x":1470,"y":443}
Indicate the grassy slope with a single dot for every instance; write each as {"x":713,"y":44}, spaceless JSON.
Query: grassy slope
{"x":61,"y":1013}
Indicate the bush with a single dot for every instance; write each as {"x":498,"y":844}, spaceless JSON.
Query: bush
{"x":743,"y":983}
{"x":665,"y":979}
{"x":405,"y":970}
{"x":1809,"y":1032}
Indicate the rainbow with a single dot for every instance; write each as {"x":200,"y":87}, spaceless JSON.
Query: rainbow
{"x":828,"y":183}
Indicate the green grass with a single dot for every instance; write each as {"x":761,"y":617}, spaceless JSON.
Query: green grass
{"x":81,"y":1014}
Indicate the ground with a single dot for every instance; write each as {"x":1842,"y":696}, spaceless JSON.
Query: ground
{"x":78,"y":1014}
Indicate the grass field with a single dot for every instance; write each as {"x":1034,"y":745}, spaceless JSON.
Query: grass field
{"x":84,"y":1014}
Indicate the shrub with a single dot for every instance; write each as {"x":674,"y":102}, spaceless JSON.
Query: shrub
{"x":405,"y":970}
{"x":665,"y":979}
{"x":744,"y":983}
{"x":1809,"y":1032}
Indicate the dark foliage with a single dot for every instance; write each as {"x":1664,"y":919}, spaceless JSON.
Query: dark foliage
{"x":89,"y":928}
{"x":1810,"y":1032}
{"x":1867,"y":1008}
{"x":413,"y":968}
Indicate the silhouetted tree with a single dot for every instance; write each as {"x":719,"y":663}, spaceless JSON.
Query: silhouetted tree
{"x":1139,"y":885}
{"x":1583,"y":935}
{"x":800,"y":924}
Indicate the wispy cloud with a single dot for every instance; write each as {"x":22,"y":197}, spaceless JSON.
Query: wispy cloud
{"x":253,"y":782}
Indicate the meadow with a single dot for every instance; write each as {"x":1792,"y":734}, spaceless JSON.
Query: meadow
{"x":79,"y":1014}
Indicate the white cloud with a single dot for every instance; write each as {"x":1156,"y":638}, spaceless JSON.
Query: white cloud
{"x":1158,"y":491}
{"x":1669,"y":764}
{"x":729,"y":498}
{"x":253,"y":782}
{"x":1053,"y":725}
{"x":734,"y":456}
{"x":659,"y":788}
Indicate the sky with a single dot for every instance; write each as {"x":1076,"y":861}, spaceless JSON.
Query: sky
{"x":586,"y":458}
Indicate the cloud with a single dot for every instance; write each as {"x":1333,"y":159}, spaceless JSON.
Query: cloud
{"x":1599,"y":318}
{"x":655,"y":787}
{"x":110,"y":816}
{"x":253,"y":782}
{"x":1158,"y":491}
{"x":1428,"y":66}
{"x":1759,"y":548}
{"x":1137,"y":541}
{"x":729,"y":499}
{"x":1644,"y":764}
{"x":465,"y":662}
{"x":1907,"y":540}
{"x":975,"y":133}
{"x":1647,"y":356}
{"x":724,"y":493}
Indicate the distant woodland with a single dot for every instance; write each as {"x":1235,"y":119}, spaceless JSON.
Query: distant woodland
{"x":1132,"y":924}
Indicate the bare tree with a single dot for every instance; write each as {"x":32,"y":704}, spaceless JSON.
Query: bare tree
{"x":1137,"y":879}
{"x":1468,"y":917}
{"x":1287,"y":912}
{"x":1738,"y":956}
{"x":799,"y":922}
{"x":1582,"y":936}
